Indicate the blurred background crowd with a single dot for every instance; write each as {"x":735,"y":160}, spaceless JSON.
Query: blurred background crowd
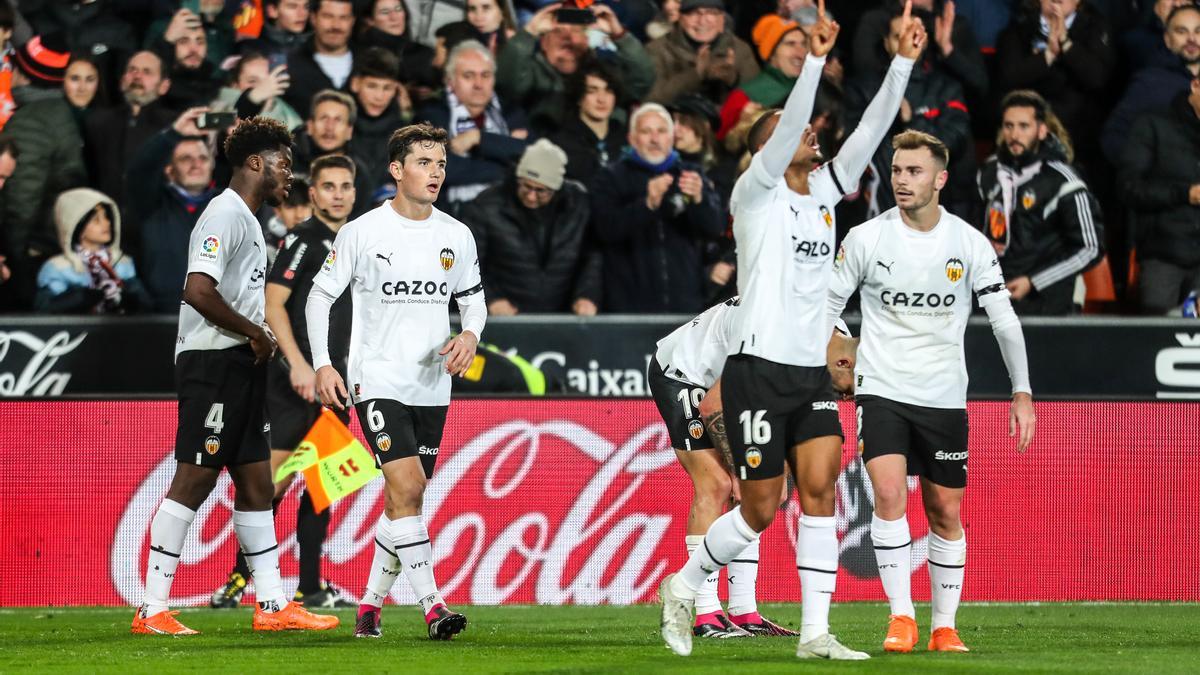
{"x":594,"y":145}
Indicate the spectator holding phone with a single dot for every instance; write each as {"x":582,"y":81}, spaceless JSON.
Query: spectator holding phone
{"x":183,"y":47}
{"x":170,"y":182}
{"x":255,"y":88}
{"x":533,"y":67}
{"x":701,"y":55}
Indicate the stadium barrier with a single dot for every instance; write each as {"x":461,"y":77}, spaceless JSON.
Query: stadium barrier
{"x":1072,"y":358}
{"x":582,"y":501}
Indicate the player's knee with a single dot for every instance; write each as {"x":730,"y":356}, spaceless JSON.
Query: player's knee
{"x":817,"y":499}
{"x":944,"y":520}
{"x":891,"y":499}
{"x":713,"y":492}
{"x":759,"y":516}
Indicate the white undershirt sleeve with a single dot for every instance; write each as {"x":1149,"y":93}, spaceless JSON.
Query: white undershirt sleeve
{"x":473,"y":313}
{"x":1007,"y":329}
{"x":860,"y":146}
{"x":316,"y":312}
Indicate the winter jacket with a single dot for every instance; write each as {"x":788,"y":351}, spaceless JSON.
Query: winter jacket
{"x":416,"y":60}
{"x":112,"y":136}
{"x":1076,"y":79}
{"x":94,"y":28}
{"x":273,"y":43}
{"x":191,"y":87}
{"x":64,"y":283}
{"x":304,"y":151}
{"x":51,"y":162}
{"x":586,"y":152}
{"x":674,"y":58}
{"x":307,"y":79}
{"x":938,"y":108}
{"x":769,"y":90}
{"x":964,"y":64}
{"x":1159,"y":165}
{"x":652,"y":260}
{"x":540,"y":263}
{"x":525,"y":78}
{"x":167,"y":216}
{"x":1150,"y":90}
{"x":487,"y":163}
{"x":370,"y":145}
{"x":1056,"y":228}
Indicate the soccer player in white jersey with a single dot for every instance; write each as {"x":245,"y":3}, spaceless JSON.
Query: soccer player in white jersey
{"x":684,"y":380}
{"x":917,"y":266}
{"x":403,"y":262}
{"x":775,"y":387}
{"x":221,"y":369}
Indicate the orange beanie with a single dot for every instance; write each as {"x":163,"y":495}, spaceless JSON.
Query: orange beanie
{"x":769,"y":31}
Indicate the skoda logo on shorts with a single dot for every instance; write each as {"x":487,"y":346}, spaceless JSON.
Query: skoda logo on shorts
{"x":212,"y":444}
{"x":753,"y":457}
{"x":695,"y":429}
{"x":384,"y":442}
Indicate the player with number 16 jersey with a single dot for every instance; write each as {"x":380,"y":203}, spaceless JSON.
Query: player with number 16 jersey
{"x":403,"y":261}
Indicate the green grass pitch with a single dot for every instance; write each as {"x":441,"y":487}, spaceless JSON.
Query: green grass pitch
{"x":1115,"y":638}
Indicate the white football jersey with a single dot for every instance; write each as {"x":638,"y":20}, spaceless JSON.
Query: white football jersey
{"x":784,"y":258}
{"x":226,"y":244}
{"x":695,"y":352}
{"x":916,"y":300}
{"x":402,"y":274}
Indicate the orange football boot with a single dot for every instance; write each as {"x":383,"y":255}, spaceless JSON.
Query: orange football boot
{"x":162,"y":623}
{"x":902,"y":634}
{"x":945,"y":639}
{"x":293,"y":617}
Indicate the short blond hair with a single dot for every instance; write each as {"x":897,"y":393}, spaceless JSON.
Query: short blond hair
{"x":912,"y":139}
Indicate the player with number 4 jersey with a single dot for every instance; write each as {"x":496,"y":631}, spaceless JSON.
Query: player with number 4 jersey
{"x":917,"y":267}
{"x":220,"y":368}
{"x":403,"y":262}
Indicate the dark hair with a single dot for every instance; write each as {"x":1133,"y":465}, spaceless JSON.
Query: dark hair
{"x":401,"y":142}
{"x":8,"y":16}
{"x":331,"y":161}
{"x":235,"y":73}
{"x":255,"y":136}
{"x":87,"y":218}
{"x":1025,"y":98}
{"x":377,"y":62}
{"x":100,"y":99}
{"x":913,"y":139}
{"x":327,"y":95}
{"x":314,"y":6}
{"x":298,"y":195}
{"x":1170,"y":15}
{"x":8,"y":146}
{"x":576,"y":86}
{"x":703,"y":129}
{"x":759,"y":133}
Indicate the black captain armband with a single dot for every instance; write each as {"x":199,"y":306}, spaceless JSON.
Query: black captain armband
{"x":994,"y":288}
{"x":470,"y":291}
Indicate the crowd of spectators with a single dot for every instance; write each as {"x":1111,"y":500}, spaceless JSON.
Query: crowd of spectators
{"x":594,"y":145}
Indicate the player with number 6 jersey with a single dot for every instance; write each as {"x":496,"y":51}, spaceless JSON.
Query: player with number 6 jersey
{"x":403,"y":262}
{"x":917,"y":266}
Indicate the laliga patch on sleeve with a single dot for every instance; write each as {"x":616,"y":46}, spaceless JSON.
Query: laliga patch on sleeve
{"x":327,"y":266}
{"x":210,"y":247}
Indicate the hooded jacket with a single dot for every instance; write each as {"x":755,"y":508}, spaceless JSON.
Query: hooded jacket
{"x":1054,"y":229}
{"x":1158,"y":168}
{"x":64,"y":282}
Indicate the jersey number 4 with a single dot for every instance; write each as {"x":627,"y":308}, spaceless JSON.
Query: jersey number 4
{"x":755,"y":429}
{"x":216,"y":418}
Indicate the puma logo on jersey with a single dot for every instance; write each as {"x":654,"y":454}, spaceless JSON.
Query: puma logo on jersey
{"x":387,"y":259}
{"x":887,"y":267}
{"x":795,"y":213}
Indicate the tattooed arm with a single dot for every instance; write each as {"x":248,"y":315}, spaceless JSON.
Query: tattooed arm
{"x":714,"y":421}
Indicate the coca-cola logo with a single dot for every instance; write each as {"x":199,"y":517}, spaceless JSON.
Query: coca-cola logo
{"x":505,"y":540}
{"x":35,"y":376}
